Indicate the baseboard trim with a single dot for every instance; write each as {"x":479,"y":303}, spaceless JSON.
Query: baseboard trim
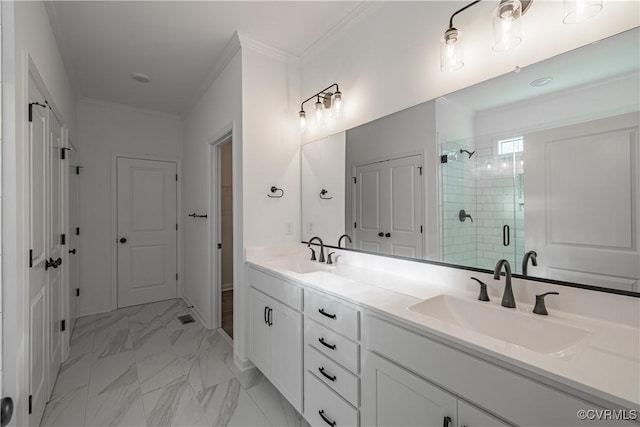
{"x":243,"y":365}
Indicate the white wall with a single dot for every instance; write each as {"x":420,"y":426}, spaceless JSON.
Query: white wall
{"x":105,"y":130}
{"x":25,"y":31}
{"x":388,"y":58}
{"x":323,"y":163}
{"x":215,"y":114}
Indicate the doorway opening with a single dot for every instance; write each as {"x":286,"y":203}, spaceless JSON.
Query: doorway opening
{"x":224,"y":226}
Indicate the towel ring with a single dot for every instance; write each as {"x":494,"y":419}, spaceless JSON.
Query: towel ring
{"x":275,"y":190}
{"x":322,"y":195}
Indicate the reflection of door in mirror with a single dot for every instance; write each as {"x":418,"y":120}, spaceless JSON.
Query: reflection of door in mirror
{"x":388,"y":207}
{"x":582,"y":202}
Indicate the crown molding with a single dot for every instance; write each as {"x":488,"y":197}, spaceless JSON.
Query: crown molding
{"x":347,"y":22}
{"x":263,"y":48}
{"x":65,"y":55}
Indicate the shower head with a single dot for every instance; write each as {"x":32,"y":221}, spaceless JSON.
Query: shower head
{"x":469,"y":153}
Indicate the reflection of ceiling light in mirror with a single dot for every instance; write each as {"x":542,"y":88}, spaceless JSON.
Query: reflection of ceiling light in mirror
{"x":139,"y":77}
{"x":541,"y":81}
{"x":576,"y":11}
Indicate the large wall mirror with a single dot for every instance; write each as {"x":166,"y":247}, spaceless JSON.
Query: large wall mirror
{"x":542,"y":161}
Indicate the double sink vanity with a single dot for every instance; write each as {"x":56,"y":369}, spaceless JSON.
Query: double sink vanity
{"x":370,"y":340}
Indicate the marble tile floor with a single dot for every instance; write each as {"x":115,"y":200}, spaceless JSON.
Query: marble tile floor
{"x":139,"y":366}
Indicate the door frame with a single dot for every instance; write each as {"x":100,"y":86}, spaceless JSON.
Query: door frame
{"x":114,"y":219}
{"x":214,"y":230}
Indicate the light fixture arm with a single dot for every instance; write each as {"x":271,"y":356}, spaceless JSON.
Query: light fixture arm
{"x":321,"y":94}
{"x":461,"y":10}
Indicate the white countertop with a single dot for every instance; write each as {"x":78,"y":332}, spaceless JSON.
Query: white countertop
{"x":606,"y":365}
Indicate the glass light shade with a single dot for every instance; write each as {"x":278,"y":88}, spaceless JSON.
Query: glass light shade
{"x":451,"y":58}
{"x":507,"y":25}
{"x":319,"y":108}
{"x":576,"y":11}
{"x":303,"y":120}
{"x":337,"y":103}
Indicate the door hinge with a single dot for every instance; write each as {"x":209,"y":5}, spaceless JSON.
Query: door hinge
{"x":63,"y":325}
{"x":420,"y":229}
{"x":355,"y":180}
{"x":420,"y":169}
{"x":63,"y":239}
{"x":219,"y":245}
{"x":77,"y":292}
{"x":30,"y":258}
{"x":176,"y":177}
{"x":30,"y":404}
{"x":31,"y":104}
{"x":176,"y":276}
{"x":355,"y":225}
{"x":77,"y":231}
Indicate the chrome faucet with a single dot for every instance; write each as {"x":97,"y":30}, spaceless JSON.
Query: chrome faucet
{"x":525,"y":261}
{"x":321,"y":258}
{"x":507,"y":298}
{"x":342,"y":237}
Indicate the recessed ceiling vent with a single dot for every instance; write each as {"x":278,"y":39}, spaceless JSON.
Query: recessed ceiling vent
{"x":139,"y":77}
{"x":541,"y":82}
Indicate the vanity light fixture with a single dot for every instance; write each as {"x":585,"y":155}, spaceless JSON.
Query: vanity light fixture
{"x":576,"y":11}
{"x":327,"y":102}
{"x":507,"y":32}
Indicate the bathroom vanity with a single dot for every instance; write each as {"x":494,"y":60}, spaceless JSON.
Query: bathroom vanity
{"x":403,"y":343}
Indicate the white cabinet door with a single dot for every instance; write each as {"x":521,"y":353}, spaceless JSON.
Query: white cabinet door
{"x":287,"y":353}
{"x":260,"y":340}
{"x":393,"y":396}
{"x":470,"y":416}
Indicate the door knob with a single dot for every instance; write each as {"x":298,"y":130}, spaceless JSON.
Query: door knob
{"x":388,"y":235}
{"x":123,"y":240}
{"x":380,"y":234}
{"x":6,"y":410}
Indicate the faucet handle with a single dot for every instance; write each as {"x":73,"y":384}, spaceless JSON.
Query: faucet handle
{"x":540,"y":308}
{"x":313,"y":254}
{"x":329,"y":260}
{"x":483,"y":290}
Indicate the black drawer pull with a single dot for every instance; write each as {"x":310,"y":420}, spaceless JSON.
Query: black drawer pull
{"x":327,"y":376}
{"x":324,"y":313}
{"x":446,"y":422}
{"x":324,"y":343}
{"x":265,"y":315}
{"x":327,"y":419}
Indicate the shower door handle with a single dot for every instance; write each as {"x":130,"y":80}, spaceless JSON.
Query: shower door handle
{"x":506,"y":238}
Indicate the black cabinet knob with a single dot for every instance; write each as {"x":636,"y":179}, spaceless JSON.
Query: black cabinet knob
{"x":380,"y":234}
{"x":123,"y":240}
{"x":72,"y":251}
{"x":388,"y":235}
{"x":6,"y":411}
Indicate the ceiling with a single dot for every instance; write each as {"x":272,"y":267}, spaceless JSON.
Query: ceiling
{"x":614,"y":56}
{"x":176,"y":43}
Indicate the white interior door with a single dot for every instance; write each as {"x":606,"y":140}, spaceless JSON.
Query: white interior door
{"x":72,"y":267}
{"x":38,"y":224}
{"x":389,"y":207}
{"x":55,"y":247}
{"x":581,"y":202}
{"x":147,"y":231}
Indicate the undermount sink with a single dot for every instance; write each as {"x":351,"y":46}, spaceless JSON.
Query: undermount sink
{"x":533,"y":332}
{"x":300,"y":266}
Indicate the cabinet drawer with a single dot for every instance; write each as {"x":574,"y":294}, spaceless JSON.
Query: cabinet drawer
{"x":325,"y":408}
{"x":333,"y":345}
{"x":276,"y":288}
{"x":333,"y":314}
{"x":332,"y":374}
